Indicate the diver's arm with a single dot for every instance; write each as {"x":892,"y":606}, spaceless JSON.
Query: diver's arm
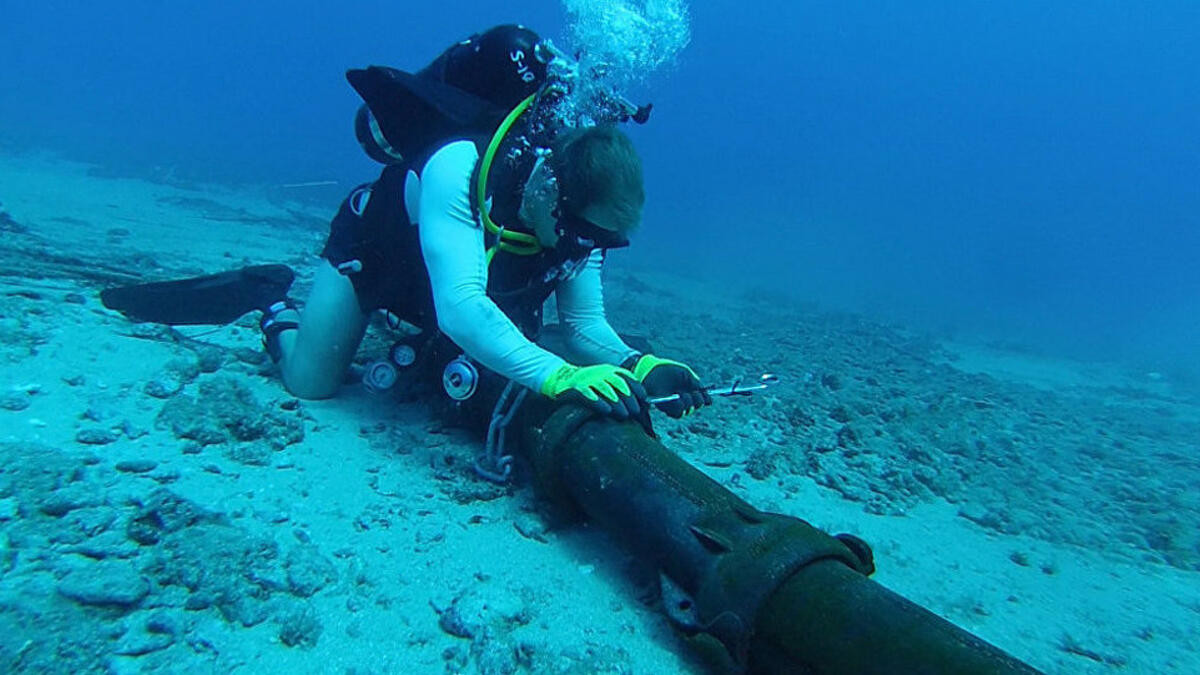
{"x":453,"y":246}
{"x":581,"y":311}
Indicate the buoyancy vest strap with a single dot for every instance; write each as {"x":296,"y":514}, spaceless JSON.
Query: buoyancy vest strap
{"x":519,"y":243}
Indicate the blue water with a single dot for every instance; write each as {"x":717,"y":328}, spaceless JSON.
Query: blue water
{"x":1028,"y":172}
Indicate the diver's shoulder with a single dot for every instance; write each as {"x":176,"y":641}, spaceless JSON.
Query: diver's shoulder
{"x":454,"y":157}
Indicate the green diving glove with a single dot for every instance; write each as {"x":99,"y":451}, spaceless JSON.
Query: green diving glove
{"x":606,"y":389}
{"x":664,"y":377}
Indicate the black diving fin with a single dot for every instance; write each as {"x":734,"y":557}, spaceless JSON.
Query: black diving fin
{"x":213,"y":299}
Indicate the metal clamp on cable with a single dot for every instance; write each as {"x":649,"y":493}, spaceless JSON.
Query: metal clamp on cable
{"x":753,"y":554}
{"x":544,"y":446}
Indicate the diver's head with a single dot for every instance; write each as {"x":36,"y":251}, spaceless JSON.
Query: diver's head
{"x":500,"y":65}
{"x":599,"y":180}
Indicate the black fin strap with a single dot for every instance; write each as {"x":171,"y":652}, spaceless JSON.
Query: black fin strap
{"x":271,"y":327}
{"x":271,"y":337}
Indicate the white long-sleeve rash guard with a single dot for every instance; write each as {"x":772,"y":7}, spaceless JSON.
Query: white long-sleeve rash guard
{"x":453,"y":245}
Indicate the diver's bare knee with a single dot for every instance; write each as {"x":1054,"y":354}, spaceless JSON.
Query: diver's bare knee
{"x":305,"y":384}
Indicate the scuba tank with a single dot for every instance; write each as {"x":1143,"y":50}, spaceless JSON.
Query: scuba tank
{"x":466,"y":90}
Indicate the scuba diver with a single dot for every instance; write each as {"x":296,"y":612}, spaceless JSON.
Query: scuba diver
{"x":500,"y":190}
{"x":492,"y":200}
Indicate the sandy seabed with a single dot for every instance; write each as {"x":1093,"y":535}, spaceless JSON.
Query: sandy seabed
{"x":166,"y":506}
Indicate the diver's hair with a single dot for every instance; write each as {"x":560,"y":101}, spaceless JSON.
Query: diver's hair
{"x":599,"y":165}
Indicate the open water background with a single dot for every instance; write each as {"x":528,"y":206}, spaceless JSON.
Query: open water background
{"x":1024,"y":172}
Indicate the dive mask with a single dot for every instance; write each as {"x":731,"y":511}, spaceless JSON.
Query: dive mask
{"x":578,"y":233}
